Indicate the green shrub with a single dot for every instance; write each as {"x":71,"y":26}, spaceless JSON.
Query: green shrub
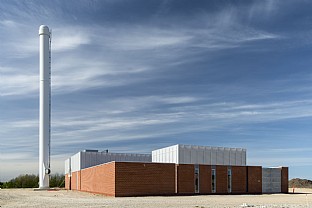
{"x":32,"y":181}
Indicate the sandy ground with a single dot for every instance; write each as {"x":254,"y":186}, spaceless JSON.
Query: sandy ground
{"x":68,"y":199}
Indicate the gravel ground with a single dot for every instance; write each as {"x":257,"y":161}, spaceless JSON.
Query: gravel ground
{"x":68,"y":199}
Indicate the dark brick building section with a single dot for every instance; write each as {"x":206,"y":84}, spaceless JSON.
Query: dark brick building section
{"x":185,"y":179}
{"x":221,"y":177}
{"x":139,"y":179}
{"x":239,"y":182}
{"x":143,"y":179}
{"x":284,"y":177}
{"x":205,"y":179}
{"x":254,"y":179}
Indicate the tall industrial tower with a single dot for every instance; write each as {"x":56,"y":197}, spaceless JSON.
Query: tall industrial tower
{"x":45,"y":107}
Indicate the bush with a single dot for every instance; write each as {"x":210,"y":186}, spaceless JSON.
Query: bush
{"x":57,"y":180}
{"x":32,"y":181}
{"x":23,"y":181}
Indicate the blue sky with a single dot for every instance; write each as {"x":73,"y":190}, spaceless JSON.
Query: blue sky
{"x":134,"y":76}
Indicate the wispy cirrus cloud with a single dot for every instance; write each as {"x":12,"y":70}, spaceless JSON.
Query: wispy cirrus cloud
{"x":213,"y":74}
{"x":69,"y":38}
{"x":141,"y":38}
{"x":18,"y":84}
{"x":218,"y":115}
{"x":73,"y":70}
{"x":213,"y":35}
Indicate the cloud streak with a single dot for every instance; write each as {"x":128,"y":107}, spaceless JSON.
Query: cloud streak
{"x":209,"y":74}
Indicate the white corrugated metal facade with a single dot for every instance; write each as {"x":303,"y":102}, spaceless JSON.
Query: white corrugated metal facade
{"x":191,"y":154}
{"x":271,"y":180}
{"x":67,"y":166}
{"x":87,"y":159}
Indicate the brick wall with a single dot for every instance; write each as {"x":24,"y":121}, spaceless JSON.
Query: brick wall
{"x":75,"y":181}
{"x":221,"y":179}
{"x":137,"y":179}
{"x":67,"y":181}
{"x":99,"y":179}
{"x":239,"y":179}
{"x":254,"y":175}
{"x":284,"y":178}
{"x":204,"y":179}
{"x":185,"y":179}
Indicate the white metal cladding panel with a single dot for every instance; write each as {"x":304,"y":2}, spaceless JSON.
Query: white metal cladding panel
{"x":130,"y":158}
{"x":266,"y":187}
{"x":180,"y":155}
{"x":100,"y":159}
{"x":276,"y":172}
{"x":239,"y":157}
{"x":271,"y":180}
{"x":83,"y":160}
{"x":75,"y":162}
{"x":226,"y":156}
{"x":191,"y":154}
{"x":186,"y":156}
{"x":108,"y":157}
{"x":160,"y":155}
{"x":220,"y":160}
{"x":233,"y":156}
{"x":165,"y":155}
{"x":157,"y":157}
{"x":201,"y":155}
{"x":154,"y":156}
{"x":170,"y":153}
{"x":67,"y":166}
{"x":207,"y":156}
{"x":214,"y":155}
{"x":174,"y":154}
{"x":266,"y":173}
{"x":147,"y":158}
{"x":194,"y":155}
{"x":91,"y":159}
{"x":244,"y":157}
{"x":177,"y":154}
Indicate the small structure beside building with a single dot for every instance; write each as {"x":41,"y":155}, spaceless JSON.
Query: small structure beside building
{"x":174,"y":170}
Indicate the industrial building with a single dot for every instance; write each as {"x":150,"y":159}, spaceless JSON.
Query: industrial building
{"x":174,"y":170}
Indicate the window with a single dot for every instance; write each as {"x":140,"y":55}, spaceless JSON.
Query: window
{"x":213,"y":179}
{"x":196,"y":178}
{"x":229,"y":179}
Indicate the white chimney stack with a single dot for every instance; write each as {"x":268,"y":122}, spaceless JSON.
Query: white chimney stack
{"x":45,"y":107}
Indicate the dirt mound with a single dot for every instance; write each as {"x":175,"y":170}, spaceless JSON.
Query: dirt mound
{"x":300,"y":183}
